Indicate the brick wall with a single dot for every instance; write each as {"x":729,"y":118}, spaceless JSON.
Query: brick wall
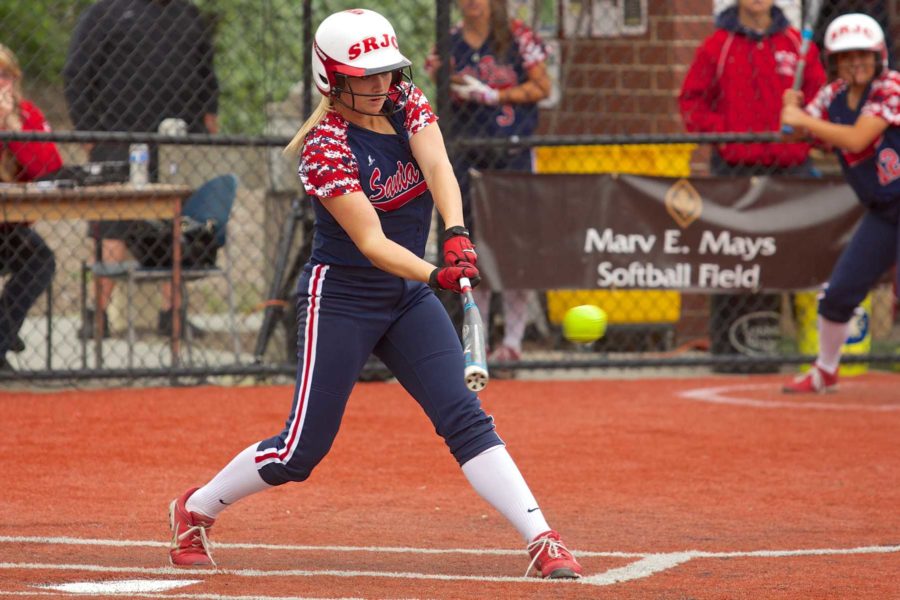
{"x":629,"y":84}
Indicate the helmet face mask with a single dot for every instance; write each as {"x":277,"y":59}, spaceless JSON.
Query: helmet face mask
{"x":358,"y":43}
{"x":394,"y":98}
{"x":857,"y":67}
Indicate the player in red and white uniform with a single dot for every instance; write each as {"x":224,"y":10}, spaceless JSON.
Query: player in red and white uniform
{"x":373,"y":161}
{"x":859,"y":115}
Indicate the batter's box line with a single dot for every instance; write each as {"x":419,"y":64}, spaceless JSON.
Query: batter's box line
{"x":728,"y":394}
{"x":646,"y":566}
{"x":74,"y":541}
{"x":655,"y":563}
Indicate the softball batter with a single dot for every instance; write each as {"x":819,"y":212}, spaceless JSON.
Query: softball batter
{"x":373,"y":160}
{"x":858,"y":114}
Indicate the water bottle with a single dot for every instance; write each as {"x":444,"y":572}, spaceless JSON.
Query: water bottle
{"x":139,"y":165}
{"x":176,"y":128}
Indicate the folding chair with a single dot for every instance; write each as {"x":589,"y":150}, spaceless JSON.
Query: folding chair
{"x":213,"y":202}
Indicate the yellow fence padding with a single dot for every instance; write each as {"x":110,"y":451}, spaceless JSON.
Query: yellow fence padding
{"x":661,"y":160}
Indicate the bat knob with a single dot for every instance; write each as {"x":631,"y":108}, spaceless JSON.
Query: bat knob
{"x":476,"y":378}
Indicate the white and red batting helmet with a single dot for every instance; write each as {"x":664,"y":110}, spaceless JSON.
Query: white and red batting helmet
{"x":354,"y":43}
{"x":855,"y":31}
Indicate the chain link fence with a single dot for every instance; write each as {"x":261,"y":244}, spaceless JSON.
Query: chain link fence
{"x":212,"y":90}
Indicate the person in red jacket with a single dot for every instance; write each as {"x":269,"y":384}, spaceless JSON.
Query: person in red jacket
{"x":736,"y":82}
{"x":24,"y":255}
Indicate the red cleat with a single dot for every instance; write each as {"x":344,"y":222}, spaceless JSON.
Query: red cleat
{"x":504,"y":354}
{"x":190,"y":544}
{"x":815,"y":381}
{"x":551,"y":559}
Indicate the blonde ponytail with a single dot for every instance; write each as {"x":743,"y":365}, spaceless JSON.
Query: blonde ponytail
{"x":296,"y":144}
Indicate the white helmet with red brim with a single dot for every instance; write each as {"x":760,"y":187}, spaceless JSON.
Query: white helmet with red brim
{"x":354,"y":43}
{"x":855,"y":31}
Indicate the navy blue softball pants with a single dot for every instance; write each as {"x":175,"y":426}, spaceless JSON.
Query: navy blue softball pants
{"x":344,"y":314}
{"x":873,"y":249}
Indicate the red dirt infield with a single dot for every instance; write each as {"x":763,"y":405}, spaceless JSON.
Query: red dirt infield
{"x":715,"y":487}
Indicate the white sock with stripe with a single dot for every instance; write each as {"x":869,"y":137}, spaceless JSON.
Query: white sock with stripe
{"x":239,"y":479}
{"x":497,"y":479}
{"x":832,"y":336}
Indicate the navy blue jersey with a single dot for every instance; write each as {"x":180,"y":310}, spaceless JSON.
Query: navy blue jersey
{"x":339,"y":158}
{"x":499,"y":72}
{"x":874,"y":173}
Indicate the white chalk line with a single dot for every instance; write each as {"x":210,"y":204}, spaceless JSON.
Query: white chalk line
{"x":73,"y":541}
{"x":182,"y":595}
{"x":646,"y":565}
{"x":725,"y":395}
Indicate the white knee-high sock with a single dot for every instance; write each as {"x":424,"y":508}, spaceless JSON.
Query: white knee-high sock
{"x":832,"y":336}
{"x":497,"y":479}
{"x":237,"y":480}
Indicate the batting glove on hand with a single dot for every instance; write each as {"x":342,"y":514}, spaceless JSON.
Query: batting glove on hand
{"x":458,"y":247}
{"x":447,"y":278}
{"x":474,"y":90}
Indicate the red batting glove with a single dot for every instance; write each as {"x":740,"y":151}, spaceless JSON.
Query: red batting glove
{"x":447,"y":278}
{"x":458,"y":247}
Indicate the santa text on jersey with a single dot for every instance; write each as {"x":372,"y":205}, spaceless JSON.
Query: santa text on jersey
{"x":397,"y":189}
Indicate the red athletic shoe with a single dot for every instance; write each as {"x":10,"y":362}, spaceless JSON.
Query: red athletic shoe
{"x":816,"y":381}
{"x":504,"y":354}
{"x":190,"y":544}
{"x":551,"y":559}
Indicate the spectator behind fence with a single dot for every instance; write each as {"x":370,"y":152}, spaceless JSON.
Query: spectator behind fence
{"x":498,"y":75}
{"x":24,"y":256}
{"x":132,"y":64}
{"x":858,"y":115}
{"x":735,"y":84}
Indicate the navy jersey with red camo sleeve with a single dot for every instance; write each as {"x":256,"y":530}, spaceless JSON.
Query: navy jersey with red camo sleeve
{"x":339,"y":158}
{"x":874,"y":173}
{"x":500,"y":72}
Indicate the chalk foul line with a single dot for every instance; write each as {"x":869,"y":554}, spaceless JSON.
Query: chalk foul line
{"x":646,"y":564}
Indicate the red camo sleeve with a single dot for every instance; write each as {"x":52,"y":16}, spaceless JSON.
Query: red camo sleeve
{"x":418,"y":111}
{"x":327,"y":165}
{"x":884,"y":99}
{"x":531,"y":47}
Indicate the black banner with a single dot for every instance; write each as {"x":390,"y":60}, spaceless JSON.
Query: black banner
{"x":631,"y":232}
